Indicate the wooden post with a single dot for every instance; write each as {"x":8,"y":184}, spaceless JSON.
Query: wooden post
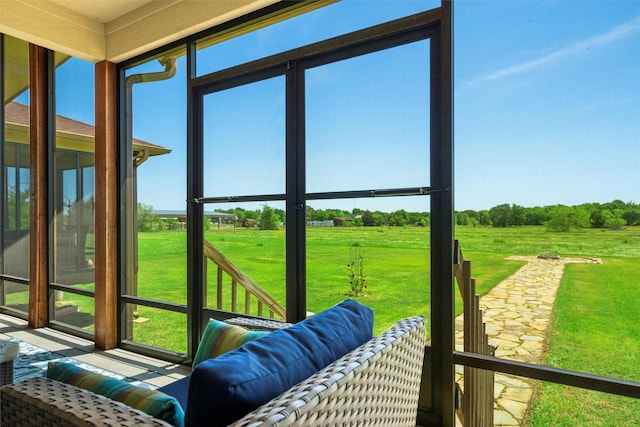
{"x":106,"y":207}
{"x":38,"y":146}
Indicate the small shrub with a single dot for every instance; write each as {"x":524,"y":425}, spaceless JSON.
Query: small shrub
{"x":355,"y":271}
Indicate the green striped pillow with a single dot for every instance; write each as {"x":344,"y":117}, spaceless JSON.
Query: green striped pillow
{"x":220,"y":337}
{"x":153,"y":402}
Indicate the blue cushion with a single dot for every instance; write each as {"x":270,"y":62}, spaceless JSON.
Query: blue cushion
{"x":178,"y":390}
{"x":224,"y":389}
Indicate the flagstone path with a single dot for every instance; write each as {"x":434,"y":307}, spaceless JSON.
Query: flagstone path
{"x":517,"y":312}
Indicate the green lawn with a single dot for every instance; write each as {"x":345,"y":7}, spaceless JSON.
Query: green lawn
{"x":595,"y":329}
{"x":596,"y":319}
{"x":396,"y":265}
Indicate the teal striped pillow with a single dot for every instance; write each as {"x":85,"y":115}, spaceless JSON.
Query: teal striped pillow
{"x":152,"y":402}
{"x":220,"y":337}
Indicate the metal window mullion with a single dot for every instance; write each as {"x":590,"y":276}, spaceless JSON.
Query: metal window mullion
{"x":295,"y":197}
{"x":125,"y":224}
{"x":442,"y":223}
{"x":196,"y":279}
{"x":51,"y":142}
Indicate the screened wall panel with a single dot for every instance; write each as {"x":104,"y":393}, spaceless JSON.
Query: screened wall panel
{"x":14,"y":243}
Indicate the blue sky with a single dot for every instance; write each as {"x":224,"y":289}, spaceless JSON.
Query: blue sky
{"x":547,"y":109}
{"x":547,"y":98}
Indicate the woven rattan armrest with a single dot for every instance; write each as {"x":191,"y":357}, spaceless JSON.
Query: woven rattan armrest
{"x":45,"y":402}
{"x":376,"y":384}
{"x":254,"y":323}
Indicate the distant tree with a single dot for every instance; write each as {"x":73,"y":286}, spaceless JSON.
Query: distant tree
{"x":281,"y":214}
{"x":471,"y":214}
{"x":615,"y":204}
{"x":414,"y":218}
{"x":316,"y":214}
{"x":500,"y":215}
{"x":147,"y":221}
{"x":367,"y":219}
{"x":380,"y":218}
{"x":613,"y":219}
{"x":632,"y":214}
{"x":462,"y":218}
{"x":268,"y":219}
{"x":484,"y":218}
{"x":564,"y":218}
{"x":399,"y":218}
{"x":171,"y":223}
{"x":516,"y":216}
{"x":535,"y":216}
{"x":17,"y":198}
{"x":597,"y":218}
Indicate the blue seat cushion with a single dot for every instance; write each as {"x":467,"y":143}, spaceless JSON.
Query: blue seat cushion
{"x":179,"y":390}
{"x":224,"y":389}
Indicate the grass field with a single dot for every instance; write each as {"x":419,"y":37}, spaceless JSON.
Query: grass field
{"x":595,"y":329}
{"x":396,"y":266}
{"x":596,"y":318}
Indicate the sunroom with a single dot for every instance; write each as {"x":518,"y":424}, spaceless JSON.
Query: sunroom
{"x":268,"y":112}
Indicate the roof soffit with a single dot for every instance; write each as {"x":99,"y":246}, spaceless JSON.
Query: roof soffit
{"x":152,"y":26}
{"x":62,"y":25}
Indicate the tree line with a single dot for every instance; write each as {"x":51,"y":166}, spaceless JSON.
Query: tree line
{"x":613,"y":215}
{"x":356,"y":217}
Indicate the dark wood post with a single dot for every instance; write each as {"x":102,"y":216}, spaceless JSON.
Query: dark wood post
{"x":39,"y":117}
{"x":106,"y":213}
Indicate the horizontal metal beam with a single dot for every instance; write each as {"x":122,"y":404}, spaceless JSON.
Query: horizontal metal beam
{"x":72,"y":290}
{"x":357,"y":194}
{"x":14,"y":279}
{"x":547,"y":373}
{"x":353,"y":194}
{"x":177,"y":308}
{"x":383,"y":36}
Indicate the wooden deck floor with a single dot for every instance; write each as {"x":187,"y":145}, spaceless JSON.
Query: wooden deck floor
{"x":152,"y":371}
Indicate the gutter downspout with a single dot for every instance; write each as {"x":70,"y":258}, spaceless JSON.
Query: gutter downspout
{"x":131,"y":188}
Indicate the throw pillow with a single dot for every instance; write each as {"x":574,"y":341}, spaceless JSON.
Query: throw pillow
{"x":220,"y":337}
{"x":224,"y":389}
{"x":157,"y":404}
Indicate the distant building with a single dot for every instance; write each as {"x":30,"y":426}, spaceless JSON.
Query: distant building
{"x":325,"y":223}
{"x":181,"y":216}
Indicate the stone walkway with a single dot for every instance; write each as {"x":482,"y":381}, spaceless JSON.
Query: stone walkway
{"x":517,"y":312}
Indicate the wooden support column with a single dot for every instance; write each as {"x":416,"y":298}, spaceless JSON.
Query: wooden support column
{"x":39,"y":140}
{"x":106,"y":207}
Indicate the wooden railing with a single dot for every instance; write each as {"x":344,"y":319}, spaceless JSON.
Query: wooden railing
{"x":240,"y":279}
{"x":476,"y":408}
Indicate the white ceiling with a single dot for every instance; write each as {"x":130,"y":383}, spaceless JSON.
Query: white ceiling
{"x":106,"y":10}
{"x":116,"y":30}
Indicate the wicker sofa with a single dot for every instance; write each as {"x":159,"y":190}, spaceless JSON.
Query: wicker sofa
{"x":376,"y":384}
